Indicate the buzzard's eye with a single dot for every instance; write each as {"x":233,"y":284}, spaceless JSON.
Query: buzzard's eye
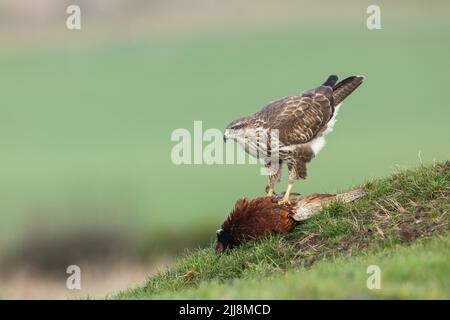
{"x":236,"y":126}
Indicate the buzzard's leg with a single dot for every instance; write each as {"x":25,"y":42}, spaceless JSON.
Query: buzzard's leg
{"x":272,"y":182}
{"x":273,"y":179}
{"x":292,"y":177}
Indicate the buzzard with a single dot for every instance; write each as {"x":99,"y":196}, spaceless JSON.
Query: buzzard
{"x":292,"y":128}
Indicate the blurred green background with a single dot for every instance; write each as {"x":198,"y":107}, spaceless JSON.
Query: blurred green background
{"x":86,"y":116}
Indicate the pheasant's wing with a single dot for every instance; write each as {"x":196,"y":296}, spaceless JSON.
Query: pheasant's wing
{"x":299,"y":118}
{"x":310,"y":205}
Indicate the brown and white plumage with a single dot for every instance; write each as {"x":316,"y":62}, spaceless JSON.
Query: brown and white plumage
{"x":301,"y":121}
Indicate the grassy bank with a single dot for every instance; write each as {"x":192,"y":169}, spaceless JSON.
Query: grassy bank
{"x":327,"y":255}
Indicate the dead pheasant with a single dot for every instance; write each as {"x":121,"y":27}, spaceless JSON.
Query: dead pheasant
{"x":260,"y":217}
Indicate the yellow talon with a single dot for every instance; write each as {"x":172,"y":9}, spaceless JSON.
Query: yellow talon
{"x":286,"y":197}
{"x":283,"y":202}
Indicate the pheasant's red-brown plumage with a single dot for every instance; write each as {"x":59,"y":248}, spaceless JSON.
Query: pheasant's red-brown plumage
{"x":257,"y":218}
{"x":260,"y":217}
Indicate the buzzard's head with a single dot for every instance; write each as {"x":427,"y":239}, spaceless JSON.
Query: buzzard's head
{"x":224,"y":241}
{"x":236,"y":128}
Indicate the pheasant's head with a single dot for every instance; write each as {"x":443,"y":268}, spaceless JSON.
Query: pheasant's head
{"x":224,"y":241}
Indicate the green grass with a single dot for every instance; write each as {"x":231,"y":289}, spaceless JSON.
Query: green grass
{"x":326,"y":256}
{"x":416,"y":272}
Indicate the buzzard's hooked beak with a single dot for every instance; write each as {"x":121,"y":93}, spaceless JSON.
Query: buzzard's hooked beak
{"x":226,"y":135}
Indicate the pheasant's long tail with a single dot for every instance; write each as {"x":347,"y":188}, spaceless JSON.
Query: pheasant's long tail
{"x":351,"y":195}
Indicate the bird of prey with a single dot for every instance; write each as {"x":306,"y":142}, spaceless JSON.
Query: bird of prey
{"x":300,"y":122}
{"x":263,"y":216}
